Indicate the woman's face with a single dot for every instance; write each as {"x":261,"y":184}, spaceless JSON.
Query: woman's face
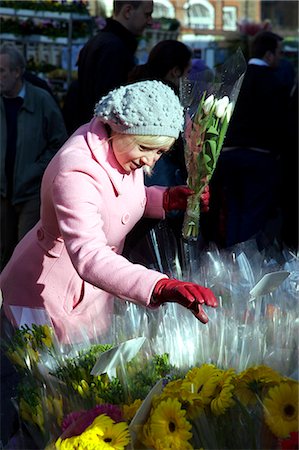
{"x":132,"y":155}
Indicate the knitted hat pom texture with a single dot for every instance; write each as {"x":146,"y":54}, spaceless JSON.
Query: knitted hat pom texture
{"x":142,"y":108}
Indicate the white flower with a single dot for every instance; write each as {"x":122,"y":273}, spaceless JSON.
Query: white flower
{"x":221,"y":105}
{"x":208,"y":103}
{"x":229,"y":111}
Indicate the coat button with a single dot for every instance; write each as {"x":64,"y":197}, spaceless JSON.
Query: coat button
{"x":125,"y":218}
{"x":40,"y":234}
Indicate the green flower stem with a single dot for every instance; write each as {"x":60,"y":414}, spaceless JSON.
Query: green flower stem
{"x":250,"y":422}
{"x":191,"y":219}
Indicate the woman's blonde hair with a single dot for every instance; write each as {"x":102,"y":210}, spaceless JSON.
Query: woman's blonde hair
{"x":151,"y":142}
{"x":154,"y":141}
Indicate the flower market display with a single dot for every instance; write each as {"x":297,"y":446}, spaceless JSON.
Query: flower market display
{"x":36,"y":22}
{"x":161,"y":379}
{"x":206,"y":129}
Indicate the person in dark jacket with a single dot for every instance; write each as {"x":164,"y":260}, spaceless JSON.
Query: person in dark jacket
{"x":246,"y":184}
{"x":32,"y":131}
{"x":168,"y":61}
{"x":39,"y":82}
{"x":107,"y":58}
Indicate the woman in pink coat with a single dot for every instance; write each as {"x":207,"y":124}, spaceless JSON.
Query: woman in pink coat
{"x":92,"y":195}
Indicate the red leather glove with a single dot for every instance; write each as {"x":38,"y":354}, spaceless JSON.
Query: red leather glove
{"x":176,"y":198}
{"x":205,"y":199}
{"x":189,"y":295}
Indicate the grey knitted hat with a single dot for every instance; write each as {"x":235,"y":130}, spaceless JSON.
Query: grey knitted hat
{"x":142,"y":108}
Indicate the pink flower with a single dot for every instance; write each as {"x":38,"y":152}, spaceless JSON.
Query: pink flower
{"x":71,"y":418}
{"x":112,"y":411}
{"x":77,"y":421}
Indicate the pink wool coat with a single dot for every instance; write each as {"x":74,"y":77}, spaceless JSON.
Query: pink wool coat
{"x":70,"y":263}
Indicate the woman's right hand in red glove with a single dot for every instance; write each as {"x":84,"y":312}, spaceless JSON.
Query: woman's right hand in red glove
{"x":189,"y":295}
{"x":205,"y":199}
{"x":176,"y":198}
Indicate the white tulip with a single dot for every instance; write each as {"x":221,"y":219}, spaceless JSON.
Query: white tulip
{"x":229,"y":111}
{"x":220,"y":106}
{"x":208,"y":103}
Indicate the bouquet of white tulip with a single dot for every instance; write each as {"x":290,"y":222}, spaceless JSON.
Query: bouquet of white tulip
{"x":204,"y":135}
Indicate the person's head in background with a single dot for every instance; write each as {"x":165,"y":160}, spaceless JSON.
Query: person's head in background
{"x":168,"y":61}
{"x":12,"y":68}
{"x":200,"y":71}
{"x":135,"y":16}
{"x":268,"y":47}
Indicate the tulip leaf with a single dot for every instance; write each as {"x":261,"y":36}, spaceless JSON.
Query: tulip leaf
{"x":213,"y":146}
{"x":207,"y":159}
{"x":222,"y":133}
{"x":213,"y":130}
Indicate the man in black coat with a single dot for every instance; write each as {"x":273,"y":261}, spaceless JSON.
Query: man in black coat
{"x":246,"y":184}
{"x":106,"y":59}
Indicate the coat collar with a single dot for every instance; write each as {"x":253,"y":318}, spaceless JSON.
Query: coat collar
{"x":97,"y":139}
{"x":29,"y":97}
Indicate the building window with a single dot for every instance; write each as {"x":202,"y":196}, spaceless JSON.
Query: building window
{"x":199,"y":14}
{"x":229,"y":14}
{"x":163,"y":8}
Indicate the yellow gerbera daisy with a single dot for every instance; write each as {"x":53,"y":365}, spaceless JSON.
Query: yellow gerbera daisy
{"x":254,"y":381}
{"x":194,"y":409}
{"x":116,"y":436}
{"x":168,"y":420}
{"x":129,"y":411}
{"x":200,"y":384}
{"x":281,"y":409}
{"x":172,"y":443}
{"x":171,"y":390}
{"x":99,"y":425}
{"x":145,"y":436}
{"x":68,"y":444}
{"x":224,"y":393}
{"x":102,"y":434}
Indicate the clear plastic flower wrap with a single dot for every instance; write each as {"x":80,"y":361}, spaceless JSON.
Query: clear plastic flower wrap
{"x":205,"y":129}
{"x":250,"y":341}
{"x":59,"y":379}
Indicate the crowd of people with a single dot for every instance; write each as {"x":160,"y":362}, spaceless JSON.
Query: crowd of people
{"x":81,"y":185}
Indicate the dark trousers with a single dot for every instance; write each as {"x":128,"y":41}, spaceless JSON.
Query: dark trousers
{"x":16,"y":221}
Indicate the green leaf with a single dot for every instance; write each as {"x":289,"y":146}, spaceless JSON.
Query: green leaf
{"x":222,"y":133}
{"x":207,"y":158}
{"x":213,"y":147}
{"x":213,"y":130}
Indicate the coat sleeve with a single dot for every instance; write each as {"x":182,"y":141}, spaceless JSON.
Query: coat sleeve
{"x":154,"y":202}
{"x":84,"y":224}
